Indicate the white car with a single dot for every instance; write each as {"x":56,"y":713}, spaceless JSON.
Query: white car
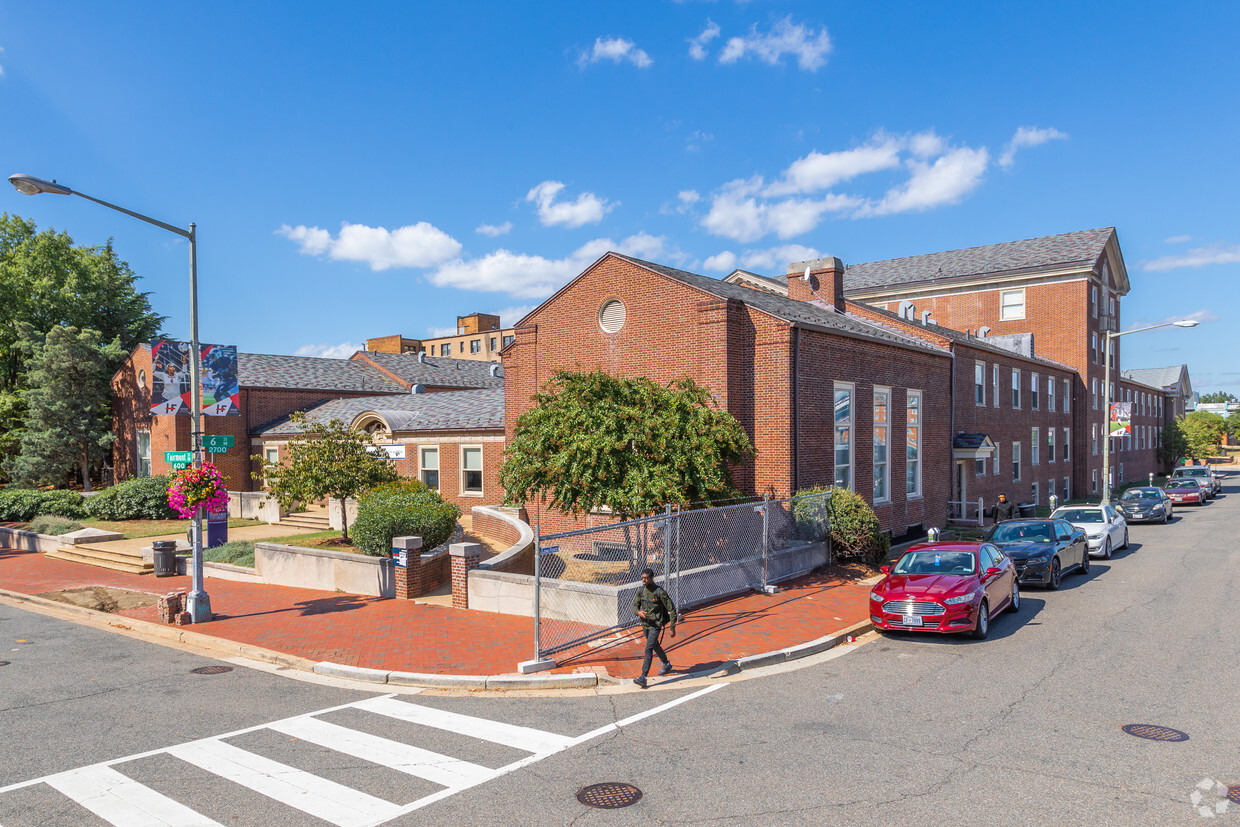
{"x":1105,"y":528}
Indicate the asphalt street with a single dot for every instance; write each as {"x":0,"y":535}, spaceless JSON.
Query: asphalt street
{"x":1023,"y":728}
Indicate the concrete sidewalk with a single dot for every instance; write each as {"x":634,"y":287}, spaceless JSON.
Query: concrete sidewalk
{"x":397,"y":635}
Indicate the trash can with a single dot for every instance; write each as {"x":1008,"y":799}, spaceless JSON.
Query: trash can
{"x":217,"y":529}
{"x":1028,"y":510}
{"x":165,"y":557}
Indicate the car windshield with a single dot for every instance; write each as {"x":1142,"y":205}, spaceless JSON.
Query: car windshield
{"x":936,"y":562}
{"x":1191,"y":472}
{"x":1183,"y":484}
{"x":1080,"y":515}
{"x":1021,"y":533}
{"x":1140,"y":494}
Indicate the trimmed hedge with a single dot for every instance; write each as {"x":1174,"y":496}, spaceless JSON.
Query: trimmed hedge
{"x":401,"y":509}
{"x":19,"y":505}
{"x":144,"y":498}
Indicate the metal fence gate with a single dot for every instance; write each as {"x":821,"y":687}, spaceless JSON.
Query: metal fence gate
{"x":585,"y":580}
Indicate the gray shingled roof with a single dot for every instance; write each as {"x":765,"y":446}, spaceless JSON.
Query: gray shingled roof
{"x":1155,"y":377}
{"x":441,"y":371}
{"x":445,"y":411}
{"x":261,"y":370}
{"x":1011,"y":257}
{"x":790,"y":310}
{"x":969,"y":441}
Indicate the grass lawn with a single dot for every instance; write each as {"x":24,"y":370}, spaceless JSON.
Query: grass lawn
{"x":329,"y":540}
{"x":130,"y":529}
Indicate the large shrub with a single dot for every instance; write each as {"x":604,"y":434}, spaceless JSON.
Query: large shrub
{"x":22,"y":504}
{"x":53,"y":525}
{"x":144,"y":498}
{"x":402,"y":509}
{"x":854,"y":526}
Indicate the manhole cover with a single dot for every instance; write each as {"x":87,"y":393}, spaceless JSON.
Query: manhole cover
{"x":211,"y":670}
{"x":1150,"y":732}
{"x":609,"y":796}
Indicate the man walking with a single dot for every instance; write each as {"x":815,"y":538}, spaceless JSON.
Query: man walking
{"x":1003,"y":510}
{"x":654,"y":607}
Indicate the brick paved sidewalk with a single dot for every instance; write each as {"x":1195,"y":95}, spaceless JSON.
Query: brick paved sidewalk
{"x":412,"y":637}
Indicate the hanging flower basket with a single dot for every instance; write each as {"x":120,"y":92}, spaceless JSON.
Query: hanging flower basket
{"x":194,"y":487}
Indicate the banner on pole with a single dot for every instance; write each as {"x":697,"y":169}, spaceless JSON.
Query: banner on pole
{"x":170,"y":384}
{"x":1121,"y":418}
{"x":221,"y":396}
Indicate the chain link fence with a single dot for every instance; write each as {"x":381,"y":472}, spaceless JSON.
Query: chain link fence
{"x":585,"y":580}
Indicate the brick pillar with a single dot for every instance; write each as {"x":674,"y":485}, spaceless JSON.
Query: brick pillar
{"x":407,"y":587}
{"x":465,"y":556}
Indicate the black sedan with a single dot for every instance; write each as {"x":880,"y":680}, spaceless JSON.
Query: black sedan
{"x":1042,"y":550}
{"x":1145,"y":505}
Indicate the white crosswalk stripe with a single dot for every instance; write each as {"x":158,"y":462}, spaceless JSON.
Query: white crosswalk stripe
{"x":121,"y":801}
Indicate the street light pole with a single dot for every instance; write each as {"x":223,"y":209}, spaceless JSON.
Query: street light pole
{"x":1106,"y":400}
{"x":198,"y":603}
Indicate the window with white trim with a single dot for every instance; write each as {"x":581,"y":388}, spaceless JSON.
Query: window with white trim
{"x":1012,"y":304}
{"x":1067,"y":396}
{"x":1067,"y":444}
{"x":1093,"y":480}
{"x":475,"y":345}
{"x":1093,"y":392}
{"x":428,"y":466}
{"x":1035,"y":447}
{"x":1067,"y":488}
{"x":271,"y":454}
{"x":979,"y":383}
{"x":1015,"y":389}
{"x":1093,"y":348}
{"x":979,"y":467}
{"x":1015,"y":462}
{"x":1050,"y":393}
{"x":1093,"y":301}
{"x":1034,"y":498}
{"x":1033,"y":391}
{"x":912,"y":444}
{"x":843,"y":435}
{"x":994,"y":384}
{"x":1093,"y":439}
{"x":994,"y":464}
{"x":1050,"y":444}
{"x":471,"y":469}
{"x":882,"y":424}
{"x":143,"y":445}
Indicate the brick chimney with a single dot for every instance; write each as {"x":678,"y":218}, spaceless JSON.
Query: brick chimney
{"x":826,"y":281}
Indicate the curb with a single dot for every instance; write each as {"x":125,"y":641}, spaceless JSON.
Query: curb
{"x":576,"y":680}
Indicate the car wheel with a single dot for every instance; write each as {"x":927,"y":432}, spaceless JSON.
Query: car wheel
{"x":983,"y":622}
{"x":1056,"y":573}
{"x":1106,"y":550}
{"x":1014,"y":605}
{"x":1125,"y":538}
{"x":1085,"y":562}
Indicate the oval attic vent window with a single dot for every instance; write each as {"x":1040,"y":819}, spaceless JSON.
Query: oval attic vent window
{"x":611,"y":315}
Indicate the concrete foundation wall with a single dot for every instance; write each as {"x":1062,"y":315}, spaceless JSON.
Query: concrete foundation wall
{"x":312,"y":568}
{"x":28,"y":540}
{"x":509,"y":525}
{"x":254,"y":505}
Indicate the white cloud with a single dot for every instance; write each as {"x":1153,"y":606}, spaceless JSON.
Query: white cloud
{"x":689,"y":197}
{"x":1177,"y":239}
{"x":1197,"y":257}
{"x":341,"y":351}
{"x":950,"y":178}
{"x":536,"y":277}
{"x":415,"y":245}
{"x":440,"y":332}
{"x":778,"y":258}
{"x":694,"y":142}
{"x":617,"y":50}
{"x":736,"y":213}
{"x":697,"y":46}
{"x":809,"y":47}
{"x":724,"y":262}
{"x":509,"y":316}
{"x":587,"y":209}
{"x":494,"y":230}
{"x":1,"y":67}
{"x":820,"y":171}
{"x":1027,"y":136}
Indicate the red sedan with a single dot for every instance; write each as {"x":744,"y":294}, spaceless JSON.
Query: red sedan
{"x":945,"y":587}
{"x":1184,"y":490}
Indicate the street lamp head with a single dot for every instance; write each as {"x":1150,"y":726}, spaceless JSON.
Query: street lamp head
{"x":29,"y":185}
{"x":1186,"y":323}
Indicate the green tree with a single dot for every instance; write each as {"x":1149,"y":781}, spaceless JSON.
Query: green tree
{"x":326,"y":460}
{"x":1202,"y":431}
{"x":593,"y":440}
{"x":1218,"y":396}
{"x":1174,"y":445}
{"x":1232,"y":423}
{"x":68,"y":405}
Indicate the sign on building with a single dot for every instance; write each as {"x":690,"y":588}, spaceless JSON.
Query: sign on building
{"x":1121,"y":418}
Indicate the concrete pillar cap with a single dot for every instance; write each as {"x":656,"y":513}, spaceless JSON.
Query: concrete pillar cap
{"x":407,"y":543}
{"x":465,"y":549}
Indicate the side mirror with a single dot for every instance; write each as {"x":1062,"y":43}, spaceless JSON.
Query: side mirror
{"x":885,"y":569}
{"x":990,"y":572}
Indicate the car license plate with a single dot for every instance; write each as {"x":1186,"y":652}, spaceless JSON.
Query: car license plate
{"x":910,"y":620}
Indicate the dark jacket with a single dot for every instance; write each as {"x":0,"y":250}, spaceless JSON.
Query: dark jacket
{"x":1003,"y":511}
{"x":658,"y":606}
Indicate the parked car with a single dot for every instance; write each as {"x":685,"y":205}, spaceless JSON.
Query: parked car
{"x":1105,"y":528}
{"x":1042,"y":551}
{"x":1146,"y":504}
{"x":945,"y":587}
{"x":1185,"y":491}
{"x":1208,"y":479}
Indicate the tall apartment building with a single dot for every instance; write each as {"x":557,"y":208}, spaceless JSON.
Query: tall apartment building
{"x":478,"y":337}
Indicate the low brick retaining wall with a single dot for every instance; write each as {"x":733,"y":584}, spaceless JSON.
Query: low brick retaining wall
{"x":508,"y":525}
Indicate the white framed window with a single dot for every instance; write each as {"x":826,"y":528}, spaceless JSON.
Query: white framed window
{"x":1093,"y":481}
{"x":1093,"y":439}
{"x":1012,"y":304}
{"x":882,"y":430}
{"x":428,"y":465}
{"x":1093,"y":301}
{"x":1067,"y":444}
{"x":843,"y":435}
{"x":979,"y":467}
{"x":1093,"y":392}
{"x":1035,"y":447}
{"x":1033,"y":391}
{"x":445,"y":349}
{"x":994,"y":461}
{"x":1035,"y":499}
{"x":475,"y":345}
{"x":1067,"y":488}
{"x":1050,"y":394}
{"x":1015,"y":462}
{"x":979,"y":383}
{"x":1050,"y":445}
{"x":1015,"y":389}
{"x":493,"y":343}
{"x":271,"y":454}
{"x":1093,"y":348}
{"x":912,"y":444}
{"x":1121,"y":474}
{"x":471,"y":469}
{"x":1067,"y":397}
{"x":143,"y":452}
{"x":994,"y":384}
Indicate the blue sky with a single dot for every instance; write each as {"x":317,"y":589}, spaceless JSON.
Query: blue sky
{"x":368,"y":169}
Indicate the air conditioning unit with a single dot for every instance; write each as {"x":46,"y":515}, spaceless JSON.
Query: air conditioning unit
{"x":1106,"y":323}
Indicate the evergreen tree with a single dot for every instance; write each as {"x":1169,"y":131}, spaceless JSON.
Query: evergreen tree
{"x":68,"y":405}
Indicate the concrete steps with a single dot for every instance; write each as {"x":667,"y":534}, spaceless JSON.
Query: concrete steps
{"x":130,"y":562}
{"x":315,"y":520}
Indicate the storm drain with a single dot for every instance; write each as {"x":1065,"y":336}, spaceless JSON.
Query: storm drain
{"x":1151,"y":732}
{"x":609,"y":796}
{"x":211,"y":670}
{"x":1233,"y":793}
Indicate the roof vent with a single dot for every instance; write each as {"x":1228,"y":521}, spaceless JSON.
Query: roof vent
{"x":422,"y":357}
{"x":982,"y":331}
{"x":418,"y":389}
{"x":926,"y":318}
{"x":907,"y":310}
{"x":611,"y":315}
{"x":494,"y":369}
